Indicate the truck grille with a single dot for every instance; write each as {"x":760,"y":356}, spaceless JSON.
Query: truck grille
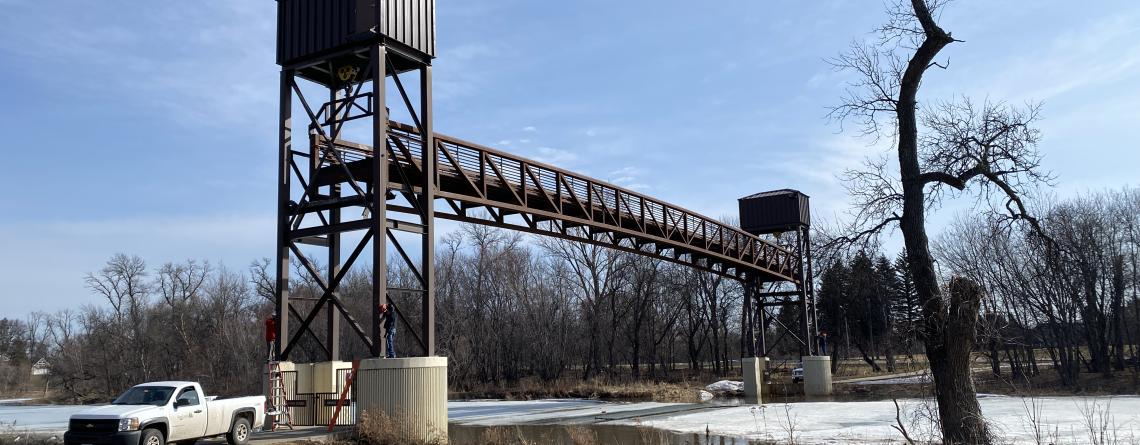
{"x":93,"y":425}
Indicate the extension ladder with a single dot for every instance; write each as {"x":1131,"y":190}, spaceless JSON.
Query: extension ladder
{"x":278,"y":410}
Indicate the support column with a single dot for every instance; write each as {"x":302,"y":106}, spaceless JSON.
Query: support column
{"x":811,"y":290}
{"x":762,"y":326}
{"x":285,"y":147}
{"x":379,"y":189}
{"x":747,"y":339}
{"x":333,"y":321}
{"x":427,"y":205}
{"x":333,"y":337}
{"x":802,"y":289}
{"x":753,"y":368}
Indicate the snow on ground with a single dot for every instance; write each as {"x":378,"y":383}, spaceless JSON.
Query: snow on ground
{"x":871,"y":422}
{"x":14,"y":401}
{"x":499,"y":412}
{"x":726,"y":386}
{"x":46,"y":418}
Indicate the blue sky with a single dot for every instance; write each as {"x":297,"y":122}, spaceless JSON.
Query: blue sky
{"x":148,"y":127}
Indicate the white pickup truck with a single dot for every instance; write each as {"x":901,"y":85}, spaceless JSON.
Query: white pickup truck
{"x":157,"y":413}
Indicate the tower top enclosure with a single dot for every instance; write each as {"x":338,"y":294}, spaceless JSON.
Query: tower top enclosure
{"x":775,"y":211}
{"x":310,"y":33}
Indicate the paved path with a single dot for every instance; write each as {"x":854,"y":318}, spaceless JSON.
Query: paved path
{"x":885,"y":376}
{"x":298,"y":434}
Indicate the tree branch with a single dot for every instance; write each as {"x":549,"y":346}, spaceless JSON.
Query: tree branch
{"x":852,"y":239}
{"x":957,"y":181}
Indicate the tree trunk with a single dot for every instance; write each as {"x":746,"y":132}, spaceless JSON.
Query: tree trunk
{"x":950,"y":338}
{"x":890,"y":351}
{"x":1118,"y":312}
{"x":866,"y":358}
{"x":961,"y":416}
{"x":1094,"y":322}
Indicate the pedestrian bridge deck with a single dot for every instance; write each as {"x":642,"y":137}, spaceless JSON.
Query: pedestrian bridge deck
{"x":521,"y":194}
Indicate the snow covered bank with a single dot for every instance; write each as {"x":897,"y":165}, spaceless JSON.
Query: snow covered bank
{"x":1064,"y":418}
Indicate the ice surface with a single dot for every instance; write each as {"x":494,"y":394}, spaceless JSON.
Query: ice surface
{"x":1063,"y":419}
{"x":497,"y":412}
{"x":47,"y":418}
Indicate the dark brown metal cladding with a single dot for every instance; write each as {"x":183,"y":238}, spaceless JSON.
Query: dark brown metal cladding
{"x":775,"y":211}
{"x":312,"y":28}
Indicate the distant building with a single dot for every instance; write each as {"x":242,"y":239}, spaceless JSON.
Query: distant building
{"x":41,"y":367}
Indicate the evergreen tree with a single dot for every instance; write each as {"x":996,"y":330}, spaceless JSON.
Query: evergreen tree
{"x":906,"y":311}
{"x":888,"y":288}
{"x":864,"y":308}
{"x":832,"y":318}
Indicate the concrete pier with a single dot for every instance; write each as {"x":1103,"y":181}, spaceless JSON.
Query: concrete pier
{"x":410,"y":391}
{"x":817,"y":375}
{"x":753,"y":368}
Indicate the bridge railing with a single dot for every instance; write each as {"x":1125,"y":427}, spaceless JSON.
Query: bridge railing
{"x":482,"y":175}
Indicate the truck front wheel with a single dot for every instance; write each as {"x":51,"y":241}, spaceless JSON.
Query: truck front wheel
{"x":151,"y":436}
{"x":239,"y":432}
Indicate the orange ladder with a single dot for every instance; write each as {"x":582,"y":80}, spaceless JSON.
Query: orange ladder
{"x":278,"y":408}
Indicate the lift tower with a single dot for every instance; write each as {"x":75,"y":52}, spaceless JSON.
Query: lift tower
{"x":786,"y":214}
{"x":338,"y":58}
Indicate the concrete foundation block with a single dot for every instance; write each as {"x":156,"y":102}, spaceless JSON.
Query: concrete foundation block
{"x":753,"y":368}
{"x":817,"y":375}
{"x":411,"y":391}
{"x":324,"y":376}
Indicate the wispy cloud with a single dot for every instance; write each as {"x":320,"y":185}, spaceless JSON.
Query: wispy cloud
{"x":628,"y":177}
{"x":554,"y":156}
{"x":208,"y":62}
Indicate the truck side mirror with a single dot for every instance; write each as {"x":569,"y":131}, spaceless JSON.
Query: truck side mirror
{"x":181,"y":402}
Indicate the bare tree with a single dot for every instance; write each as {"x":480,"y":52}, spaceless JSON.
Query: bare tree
{"x":594,"y":269}
{"x":989,"y":149}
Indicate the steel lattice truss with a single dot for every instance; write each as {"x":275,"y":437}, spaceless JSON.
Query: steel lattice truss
{"x":552,"y":201}
{"x":403,"y":188}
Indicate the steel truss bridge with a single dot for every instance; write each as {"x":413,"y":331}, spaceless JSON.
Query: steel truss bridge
{"x":406,"y":175}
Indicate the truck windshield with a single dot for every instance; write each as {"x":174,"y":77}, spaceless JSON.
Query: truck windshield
{"x":145,"y":395}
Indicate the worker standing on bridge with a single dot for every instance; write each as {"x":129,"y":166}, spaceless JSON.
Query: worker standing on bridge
{"x":271,"y":334}
{"x":387,"y":314}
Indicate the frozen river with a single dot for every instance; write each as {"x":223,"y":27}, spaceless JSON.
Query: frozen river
{"x":1060,"y":419}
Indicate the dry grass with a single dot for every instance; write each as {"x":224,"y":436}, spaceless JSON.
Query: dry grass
{"x":10,"y":435}
{"x":514,"y":435}
{"x":506,"y":435}
{"x":529,"y":389}
{"x":380,"y":429}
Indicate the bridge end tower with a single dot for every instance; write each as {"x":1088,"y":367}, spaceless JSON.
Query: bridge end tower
{"x":345,"y":66}
{"x":785,"y":215}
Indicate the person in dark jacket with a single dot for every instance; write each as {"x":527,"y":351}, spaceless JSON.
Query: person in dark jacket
{"x":388,"y":316}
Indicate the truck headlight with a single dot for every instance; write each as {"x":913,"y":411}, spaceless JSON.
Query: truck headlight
{"x":129,"y":424}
